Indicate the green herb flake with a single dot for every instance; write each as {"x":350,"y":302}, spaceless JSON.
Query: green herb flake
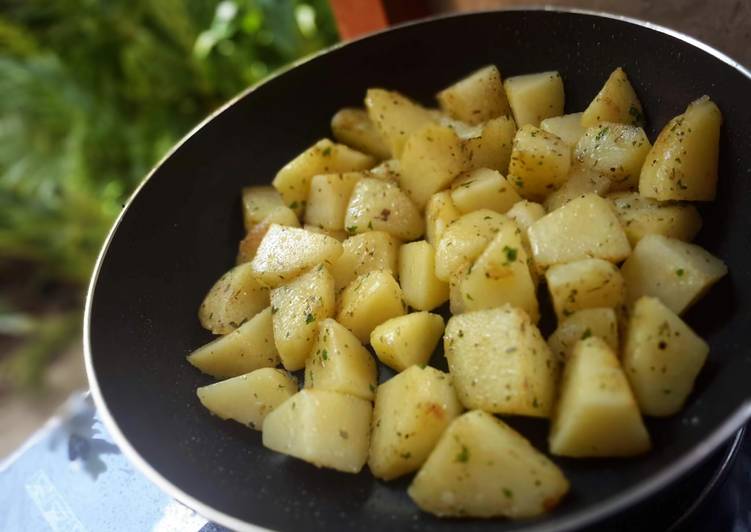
{"x":372,"y":387}
{"x":406,"y":455}
{"x":352,"y":229}
{"x":463,"y":455}
{"x":510,"y":253}
{"x":294,"y":205}
{"x":637,"y":118}
{"x":508,"y":493}
{"x":679,"y":272}
{"x":326,"y":152}
{"x":601,"y":134}
{"x":370,"y":225}
{"x":343,"y":434}
{"x":310,"y":318}
{"x":586,"y":334}
{"x":274,"y":309}
{"x":325,"y":354}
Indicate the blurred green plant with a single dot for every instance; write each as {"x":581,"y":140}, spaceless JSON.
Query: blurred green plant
{"x":93,"y":93}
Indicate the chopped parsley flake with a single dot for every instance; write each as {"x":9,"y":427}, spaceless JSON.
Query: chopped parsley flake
{"x":310,"y":318}
{"x":510,"y":253}
{"x":352,"y":229}
{"x":586,"y":334}
{"x":679,"y":272}
{"x":463,"y":455}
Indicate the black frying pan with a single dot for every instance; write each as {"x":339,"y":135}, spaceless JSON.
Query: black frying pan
{"x":179,"y":233}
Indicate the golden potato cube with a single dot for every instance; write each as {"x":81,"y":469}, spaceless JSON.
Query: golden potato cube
{"x":615,"y":150}
{"x":258,"y":203}
{"x":483,"y":189}
{"x":585,"y":227}
{"x":539,"y":164}
{"x":596,"y":415}
{"x":676,"y":272}
{"x":422,"y":289}
{"x":395,"y":117}
{"x":463,"y":130}
{"x":341,"y":236}
{"x":581,"y":180}
{"x":501,"y":275}
{"x":661,"y":358}
{"x":296,"y":309}
{"x":389,"y":170}
{"x":286,"y":252}
{"x":476,"y":98}
{"x":368,"y":301}
{"x":433,"y":156}
{"x":328,"y":199}
{"x":599,"y":322}
{"x":248,"y":398}
{"x":339,"y":363}
{"x":642,"y":216}
{"x":682,"y":165}
{"x":411,"y":412}
{"x":407,"y":340}
{"x":492,"y":147}
{"x":525,"y":213}
{"x":440,"y":212}
{"x":377,"y":205}
{"x":233,"y":299}
{"x":324,"y":157}
{"x":616,"y":102}
{"x":481,"y":467}
{"x":354,"y":128}
{"x":535,"y":97}
{"x":586,"y":283}
{"x":249,"y":347}
{"x":568,"y":128}
{"x":363,"y":253}
{"x":327,"y":429}
{"x":500,"y":363}
{"x":248,"y":246}
{"x":464,"y":240}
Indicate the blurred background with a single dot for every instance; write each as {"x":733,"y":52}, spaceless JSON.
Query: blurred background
{"x":94,"y":92}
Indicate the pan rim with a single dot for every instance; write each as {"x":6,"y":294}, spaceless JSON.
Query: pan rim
{"x":609,"y":507}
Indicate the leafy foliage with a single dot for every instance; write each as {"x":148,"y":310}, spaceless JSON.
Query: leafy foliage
{"x":95,"y":92}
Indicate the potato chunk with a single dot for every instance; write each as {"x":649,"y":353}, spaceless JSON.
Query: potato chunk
{"x":249,"y":347}
{"x":539,"y":163}
{"x":281,"y":215}
{"x":568,"y":128}
{"x":248,"y":398}
{"x":395,"y":116}
{"x":500,"y":363}
{"x":324,"y":157}
{"x":389,"y":170}
{"x":481,"y":467}
{"x":368,"y":301}
{"x":407,"y":340}
{"x":535,"y":97}
{"x":286,"y":252}
{"x":440,"y":212}
{"x":233,"y":299}
{"x":582,"y":324}
{"x":682,"y":165}
{"x":476,"y":98}
{"x":327,"y":429}
{"x":581,"y":180}
{"x":363,"y":253}
{"x":492,"y":147}
{"x":377,"y":205}
{"x":597,"y":414}
{"x":585,"y":227}
{"x":676,"y":272}
{"x":525,"y":213}
{"x":642,"y":216}
{"x":411,"y":412}
{"x":422,"y":289}
{"x":483,"y":189}
{"x":433,"y":156}
{"x":328,"y":199}
{"x":258,"y":203}
{"x":296,"y":309}
{"x":662,"y":357}
{"x":464,"y":240}
{"x":616,"y":102}
{"x":500,"y":275}
{"x":354,"y":128}
{"x":615,"y":150}
{"x":587,"y":283}
{"x":338,"y":362}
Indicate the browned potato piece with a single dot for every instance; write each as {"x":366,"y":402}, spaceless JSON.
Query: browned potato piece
{"x":492,"y":147}
{"x":377,"y":205}
{"x":535,"y":97}
{"x":395,"y":117}
{"x":233,"y":299}
{"x":539,"y":164}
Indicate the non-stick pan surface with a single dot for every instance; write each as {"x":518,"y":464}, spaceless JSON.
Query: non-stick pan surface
{"x":180,"y":231}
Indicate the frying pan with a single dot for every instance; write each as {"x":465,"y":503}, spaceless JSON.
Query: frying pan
{"x":179,"y":232}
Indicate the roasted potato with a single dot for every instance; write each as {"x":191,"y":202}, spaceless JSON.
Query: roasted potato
{"x":407,"y":340}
